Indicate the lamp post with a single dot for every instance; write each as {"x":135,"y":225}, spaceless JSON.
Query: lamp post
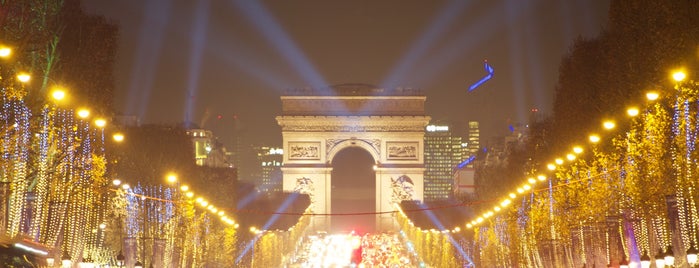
{"x":120,"y":259}
{"x":669,"y":257}
{"x":692,"y":255}
{"x":50,"y":261}
{"x":645,"y":260}
{"x":138,"y":265}
{"x":659,"y":259}
{"x":87,"y":263}
{"x":623,"y":263}
{"x":66,"y":261}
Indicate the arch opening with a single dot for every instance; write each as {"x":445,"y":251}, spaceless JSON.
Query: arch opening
{"x":353,"y":191}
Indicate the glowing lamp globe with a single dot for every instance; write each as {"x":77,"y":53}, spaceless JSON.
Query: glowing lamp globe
{"x":669,"y":257}
{"x":645,"y":260}
{"x":692,"y":255}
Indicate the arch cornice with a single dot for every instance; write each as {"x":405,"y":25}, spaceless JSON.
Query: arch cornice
{"x":353,"y":123}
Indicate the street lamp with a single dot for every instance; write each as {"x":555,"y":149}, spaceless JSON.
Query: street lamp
{"x":659,"y":259}
{"x":171,"y":178}
{"x":138,"y":265}
{"x":679,"y":76}
{"x":87,"y":263}
{"x":118,"y":137}
{"x":58,"y":94}
{"x":65,"y":260}
{"x":120,"y":259}
{"x":669,"y":256}
{"x":5,"y":51}
{"x":692,"y":255}
{"x":100,"y":123}
{"x":23,"y":77}
{"x":50,"y":261}
{"x":623,"y":263}
{"x":645,"y":260}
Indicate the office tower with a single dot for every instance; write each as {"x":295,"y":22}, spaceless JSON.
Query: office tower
{"x":443,"y":152}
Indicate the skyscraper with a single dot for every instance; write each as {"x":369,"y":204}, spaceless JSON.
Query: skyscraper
{"x":270,"y":162}
{"x":443,"y":152}
{"x":464,"y":175}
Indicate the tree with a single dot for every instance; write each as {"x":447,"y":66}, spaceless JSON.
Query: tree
{"x":642,"y":43}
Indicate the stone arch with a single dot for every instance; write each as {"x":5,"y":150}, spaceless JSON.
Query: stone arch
{"x":370,"y":146}
{"x":389,"y":125}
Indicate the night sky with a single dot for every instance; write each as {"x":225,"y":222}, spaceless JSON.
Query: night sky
{"x":210,"y":61}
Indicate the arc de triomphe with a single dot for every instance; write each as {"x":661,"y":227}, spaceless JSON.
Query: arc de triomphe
{"x":389,"y":125}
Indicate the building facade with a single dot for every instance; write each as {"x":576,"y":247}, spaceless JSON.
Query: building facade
{"x":207,"y":151}
{"x":270,"y":162}
{"x":443,"y":152}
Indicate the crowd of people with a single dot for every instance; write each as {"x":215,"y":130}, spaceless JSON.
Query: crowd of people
{"x":383,"y":250}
